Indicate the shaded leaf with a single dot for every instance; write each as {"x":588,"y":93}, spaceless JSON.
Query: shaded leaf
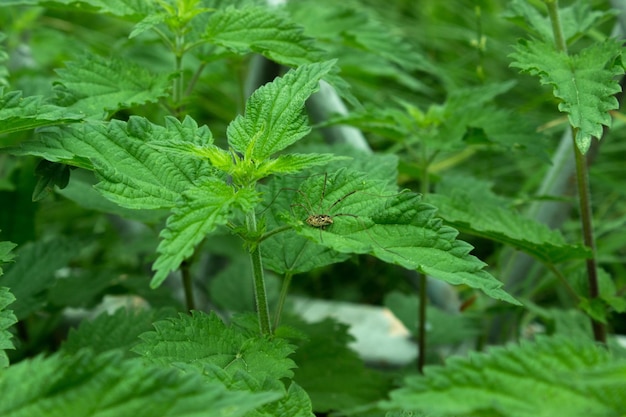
{"x":7,"y":319}
{"x":543,"y":378}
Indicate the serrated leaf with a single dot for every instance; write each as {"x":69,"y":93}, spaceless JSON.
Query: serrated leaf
{"x":121,"y":8}
{"x":19,"y":113}
{"x":202,"y":339}
{"x":107,"y":332}
{"x":7,"y":319}
{"x":261,"y":30}
{"x":584,"y":82}
{"x":330,"y":372}
{"x":369,"y":217}
{"x":33,"y":274}
{"x":541,"y":379}
{"x":132,"y":174}
{"x":198,"y":213}
{"x":467,"y":204}
{"x":6,"y":254}
{"x":274,"y":116}
{"x":84,"y":384}
{"x":576,"y":19}
{"x":94,"y":85}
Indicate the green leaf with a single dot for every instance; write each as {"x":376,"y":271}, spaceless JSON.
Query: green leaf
{"x":94,"y":85}
{"x":468,"y":204}
{"x":121,"y":8}
{"x":264,"y":31}
{"x":19,"y":113}
{"x":541,"y":379}
{"x":7,"y":319}
{"x":331,"y":373}
{"x":107,"y":332}
{"x":33,"y":274}
{"x":576,"y":20}
{"x":84,"y":384}
{"x":198,"y":213}
{"x":132,"y":174}
{"x":5,"y":253}
{"x":586,"y":82}
{"x":202,"y":339}
{"x":274,"y":116}
{"x":444,"y":328}
{"x":369,"y":217}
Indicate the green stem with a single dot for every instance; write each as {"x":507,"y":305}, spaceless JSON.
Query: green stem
{"x":283,"y":296}
{"x":260,"y":294}
{"x":423,"y":299}
{"x":185,"y":269}
{"x":582,"y":184}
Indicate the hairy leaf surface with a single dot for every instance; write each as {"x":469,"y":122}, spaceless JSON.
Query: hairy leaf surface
{"x":203,"y":339}
{"x":198,"y":213}
{"x":19,"y":113}
{"x":468,"y":205}
{"x":85,"y":384}
{"x":264,"y":31}
{"x":93,"y":85}
{"x":274,"y":116}
{"x":540,"y":379}
{"x":584,"y":82}
{"x":370,"y":217}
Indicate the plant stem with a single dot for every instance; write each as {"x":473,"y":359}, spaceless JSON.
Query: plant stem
{"x":283,"y":296}
{"x":187,"y":285}
{"x":584,"y":200}
{"x":582,"y":184}
{"x":260,"y":294}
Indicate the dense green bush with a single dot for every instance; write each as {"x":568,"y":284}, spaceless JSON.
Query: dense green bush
{"x":201,"y":162}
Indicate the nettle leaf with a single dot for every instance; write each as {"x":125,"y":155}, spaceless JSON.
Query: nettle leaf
{"x":264,"y":31}
{"x":202,"y":340}
{"x":19,"y":113}
{"x":584,"y":82}
{"x":198,"y":213}
{"x":132,"y":173}
{"x":576,"y":19}
{"x":121,"y":8}
{"x":274,"y":116}
{"x":33,"y":275}
{"x":95,"y":85}
{"x":7,"y":319}
{"x":370,"y":217}
{"x":6,"y":254}
{"x":107,"y":332}
{"x":84,"y":384}
{"x":333,"y":374}
{"x":469,"y":205}
{"x":536,"y":379}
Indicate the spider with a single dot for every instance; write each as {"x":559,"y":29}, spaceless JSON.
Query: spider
{"x":318,"y":217}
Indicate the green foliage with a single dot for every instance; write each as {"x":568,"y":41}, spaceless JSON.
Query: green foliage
{"x":7,"y":319}
{"x":544,"y":378}
{"x":23,"y":113}
{"x":585,"y":83}
{"x":160,"y":156}
{"x":469,"y":205}
{"x":106,"y":384}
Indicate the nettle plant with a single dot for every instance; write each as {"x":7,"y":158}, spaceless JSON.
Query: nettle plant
{"x":134,"y":143}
